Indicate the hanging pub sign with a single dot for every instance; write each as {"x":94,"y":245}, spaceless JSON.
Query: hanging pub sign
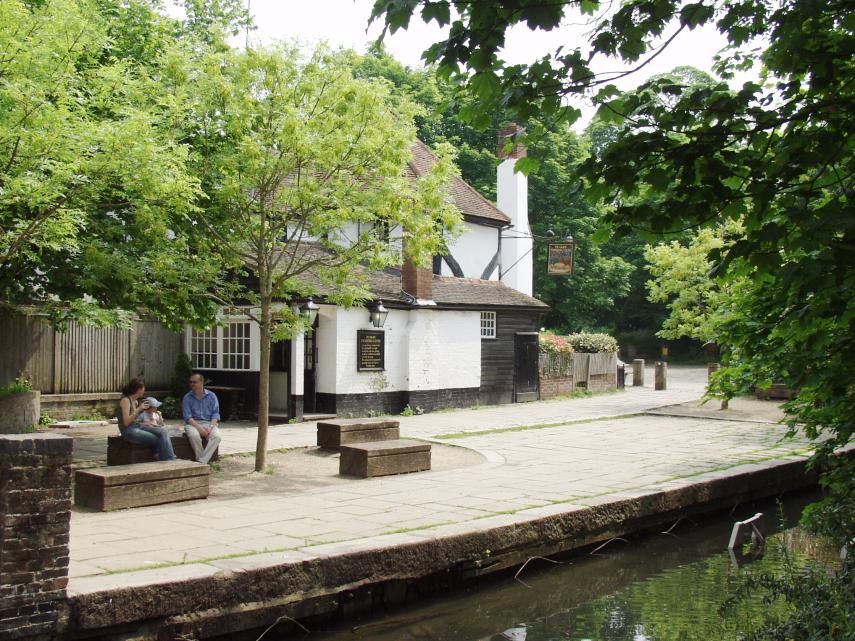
{"x":370,"y":350}
{"x":559,"y":261}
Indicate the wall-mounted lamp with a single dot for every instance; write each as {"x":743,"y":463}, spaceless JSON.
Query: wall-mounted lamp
{"x":377,"y":313}
{"x":309,"y":311}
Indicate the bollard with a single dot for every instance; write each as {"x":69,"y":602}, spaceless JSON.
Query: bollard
{"x":661,"y":377}
{"x":712,"y":367}
{"x":638,"y":372}
{"x":621,"y":376}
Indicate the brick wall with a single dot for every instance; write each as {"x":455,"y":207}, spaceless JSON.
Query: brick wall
{"x":561,"y":385}
{"x":558,"y":386}
{"x":35,"y":512}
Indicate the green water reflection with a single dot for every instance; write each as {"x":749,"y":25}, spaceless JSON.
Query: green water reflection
{"x":666,"y":587}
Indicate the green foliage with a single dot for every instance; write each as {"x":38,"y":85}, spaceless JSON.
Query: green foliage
{"x":681,"y":278}
{"x":178,"y":383}
{"x":811,"y":604}
{"x":171,"y":407}
{"x":410,"y":411}
{"x":776,"y":156}
{"x":93,"y":176}
{"x":19,"y":385}
{"x":592,"y":343}
{"x":551,"y":343}
{"x":45,"y":419}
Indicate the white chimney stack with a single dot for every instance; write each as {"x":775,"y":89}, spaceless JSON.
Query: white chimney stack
{"x":512,"y":198}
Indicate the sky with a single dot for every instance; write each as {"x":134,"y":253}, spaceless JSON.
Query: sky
{"x":345,"y":23}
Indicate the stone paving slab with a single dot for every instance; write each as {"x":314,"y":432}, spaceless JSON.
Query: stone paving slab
{"x":575,"y":455}
{"x":543,"y":469}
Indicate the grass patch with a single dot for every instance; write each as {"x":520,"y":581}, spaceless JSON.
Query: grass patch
{"x":533,"y":426}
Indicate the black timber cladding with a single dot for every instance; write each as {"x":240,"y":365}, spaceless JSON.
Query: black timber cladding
{"x":497,"y":354}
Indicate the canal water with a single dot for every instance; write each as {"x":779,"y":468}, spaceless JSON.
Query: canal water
{"x":662,"y":587}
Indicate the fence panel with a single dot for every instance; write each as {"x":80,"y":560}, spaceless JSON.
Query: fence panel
{"x":85,"y":359}
{"x":91,"y":359}
{"x":26,"y":348}
{"x":603,"y":363}
{"x":153,"y":353}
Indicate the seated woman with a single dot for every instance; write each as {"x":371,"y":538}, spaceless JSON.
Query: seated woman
{"x":131,"y":427}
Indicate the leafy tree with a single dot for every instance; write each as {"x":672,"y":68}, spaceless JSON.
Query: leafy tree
{"x":776,"y":155}
{"x":91,"y":176}
{"x":293,"y":153}
{"x":681,"y":279}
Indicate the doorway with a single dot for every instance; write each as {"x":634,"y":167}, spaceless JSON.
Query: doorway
{"x":526,"y":371}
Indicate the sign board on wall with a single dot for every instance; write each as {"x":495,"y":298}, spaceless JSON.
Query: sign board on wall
{"x":559,"y":261}
{"x":370,"y":350}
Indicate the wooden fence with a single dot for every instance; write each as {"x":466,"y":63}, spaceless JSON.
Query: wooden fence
{"x":578,"y":366}
{"x":86,"y":359}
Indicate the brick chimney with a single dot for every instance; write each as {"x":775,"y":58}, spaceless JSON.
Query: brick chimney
{"x":512,"y":199}
{"x":518,"y":150}
{"x":417,"y":281}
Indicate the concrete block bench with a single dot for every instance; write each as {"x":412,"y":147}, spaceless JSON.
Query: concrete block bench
{"x":333,"y":434}
{"x":122,"y":452}
{"x":382,"y":458}
{"x":139,"y":484}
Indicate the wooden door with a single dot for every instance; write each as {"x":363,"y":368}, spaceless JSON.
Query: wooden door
{"x":526,"y":376}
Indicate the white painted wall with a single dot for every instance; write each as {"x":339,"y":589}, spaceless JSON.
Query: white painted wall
{"x":349,"y":233}
{"x":425,"y":349}
{"x":326,"y":337}
{"x":473,"y":250}
{"x":512,"y":199}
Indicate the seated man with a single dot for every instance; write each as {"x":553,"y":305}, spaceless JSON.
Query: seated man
{"x":201,"y":411}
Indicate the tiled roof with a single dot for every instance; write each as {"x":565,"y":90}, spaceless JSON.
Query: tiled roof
{"x":447,"y":290}
{"x":467,"y":200}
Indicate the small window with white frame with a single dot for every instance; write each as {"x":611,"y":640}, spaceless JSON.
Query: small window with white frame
{"x":226,"y":347}
{"x":236,"y":345}
{"x":203,"y":348}
{"x":488,"y":324}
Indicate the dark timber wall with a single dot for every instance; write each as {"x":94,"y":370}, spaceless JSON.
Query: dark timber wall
{"x":497,"y":355}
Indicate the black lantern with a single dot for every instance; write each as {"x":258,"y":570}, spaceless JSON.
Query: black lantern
{"x":309,"y":311}
{"x":377,"y":313}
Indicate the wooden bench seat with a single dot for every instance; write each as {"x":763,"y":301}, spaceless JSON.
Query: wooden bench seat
{"x":124,"y":486}
{"x":123,"y":452}
{"x":333,"y":434}
{"x":382,"y":458}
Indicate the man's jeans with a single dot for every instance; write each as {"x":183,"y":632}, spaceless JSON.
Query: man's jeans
{"x":203,"y":449}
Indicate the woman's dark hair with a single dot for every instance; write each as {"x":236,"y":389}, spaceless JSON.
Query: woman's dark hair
{"x":133,"y":386}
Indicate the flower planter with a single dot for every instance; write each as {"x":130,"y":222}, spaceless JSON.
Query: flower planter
{"x":19,"y":413}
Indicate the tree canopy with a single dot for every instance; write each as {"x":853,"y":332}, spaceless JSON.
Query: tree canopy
{"x":303,"y":167}
{"x":775,"y":155}
{"x":91,"y":173}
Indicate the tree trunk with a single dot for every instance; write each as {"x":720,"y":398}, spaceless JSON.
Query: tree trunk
{"x":263,"y":385}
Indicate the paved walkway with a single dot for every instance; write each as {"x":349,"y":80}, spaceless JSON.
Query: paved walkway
{"x":573,"y":452}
